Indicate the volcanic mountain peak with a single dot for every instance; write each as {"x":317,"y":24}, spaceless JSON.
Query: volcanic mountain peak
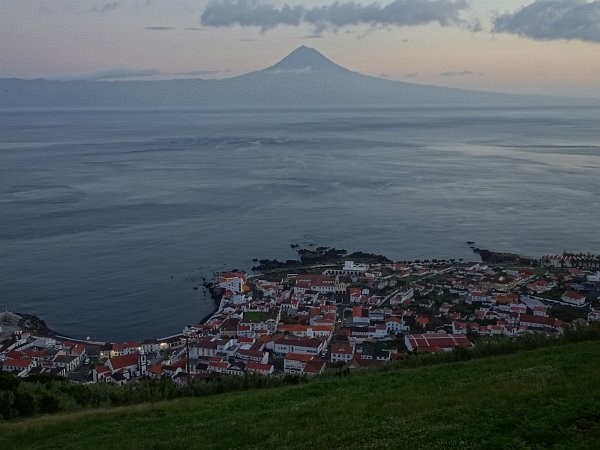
{"x":305,"y":59}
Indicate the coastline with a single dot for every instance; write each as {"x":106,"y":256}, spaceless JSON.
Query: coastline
{"x":309,"y":260}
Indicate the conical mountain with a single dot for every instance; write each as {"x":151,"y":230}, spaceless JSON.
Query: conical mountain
{"x":305,"y":60}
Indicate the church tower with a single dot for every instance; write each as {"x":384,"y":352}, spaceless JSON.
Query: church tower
{"x":142,"y":362}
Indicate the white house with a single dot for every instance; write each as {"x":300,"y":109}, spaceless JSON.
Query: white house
{"x":260,"y":369}
{"x":573,"y":298}
{"x":295,"y":362}
{"x":396,"y":325}
{"x":233,"y":281}
{"x":20,"y":366}
{"x":341,"y":352}
{"x":308,"y":346}
{"x":126,"y":366}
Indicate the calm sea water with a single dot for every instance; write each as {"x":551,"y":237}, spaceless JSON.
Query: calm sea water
{"x":109,"y":218}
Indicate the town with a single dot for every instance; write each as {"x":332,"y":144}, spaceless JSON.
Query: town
{"x":303,"y":318}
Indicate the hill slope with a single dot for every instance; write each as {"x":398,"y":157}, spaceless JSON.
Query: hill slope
{"x":546,"y":398}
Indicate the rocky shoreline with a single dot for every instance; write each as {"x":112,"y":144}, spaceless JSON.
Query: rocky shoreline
{"x":319,"y":256}
{"x":307,"y":259}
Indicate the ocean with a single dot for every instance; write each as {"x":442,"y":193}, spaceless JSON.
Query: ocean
{"x":110,"y":218}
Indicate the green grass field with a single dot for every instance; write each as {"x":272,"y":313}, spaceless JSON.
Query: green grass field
{"x":547,"y":398}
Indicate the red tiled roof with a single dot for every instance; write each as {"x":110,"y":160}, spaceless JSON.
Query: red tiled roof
{"x":341,"y":348}
{"x":439,"y":340}
{"x":298,"y":357}
{"x":314,"y":366}
{"x":219,"y":364}
{"x":298,"y":341}
{"x":574,"y":295}
{"x":539,"y":320}
{"x":182,"y":363}
{"x":156,"y":369}
{"x":258,"y":367}
{"x":125,"y":345}
{"x":19,"y":362}
{"x":324,"y":327}
{"x":292,"y":327}
{"x":120,"y":362}
{"x":215,"y":359}
{"x":250,"y":353}
{"x":34,"y":352}
{"x":230,"y":275}
{"x":314,"y":280}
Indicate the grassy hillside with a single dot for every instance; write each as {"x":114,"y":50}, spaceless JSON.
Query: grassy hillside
{"x":543,"y":398}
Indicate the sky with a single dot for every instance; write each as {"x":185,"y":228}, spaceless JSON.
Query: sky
{"x":521,"y":46}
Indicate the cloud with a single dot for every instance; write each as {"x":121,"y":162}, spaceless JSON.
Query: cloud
{"x":306,"y":69}
{"x":339,"y":14}
{"x":144,"y":4}
{"x":119,"y":74}
{"x":159,"y":28}
{"x":553,"y":20}
{"x":410,"y":75}
{"x":107,"y":7}
{"x":246,"y":13}
{"x":462,"y":73}
{"x":312,"y":36}
{"x":135,"y":74}
{"x":195,"y":73}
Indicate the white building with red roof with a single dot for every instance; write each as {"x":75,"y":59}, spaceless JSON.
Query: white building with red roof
{"x":298,"y":363}
{"x":540,"y":286}
{"x":252,"y":356}
{"x":355,"y":294}
{"x":126,"y":366}
{"x":294,"y":363}
{"x":463,"y":327}
{"x":395,"y":324}
{"x":314,"y":367}
{"x":435,"y":341}
{"x":534,"y":323}
{"x":217,"y":365}
{"x":308,"y":346}
{"x":360,"y":315}
{"x":260,"y":369}
{"x":20,"y":366}
{"x":573,"y":298}
{"x":341,"y":352}
{"x":540,"y":310}
{"x":318,"y":283}
{"x":233,"y":281}
{"x":402,"y":296}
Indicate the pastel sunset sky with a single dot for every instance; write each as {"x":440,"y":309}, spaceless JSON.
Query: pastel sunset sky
{"x":524,"y":46}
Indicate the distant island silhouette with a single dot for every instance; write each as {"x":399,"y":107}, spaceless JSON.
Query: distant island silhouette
{"x":303,"y":78}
